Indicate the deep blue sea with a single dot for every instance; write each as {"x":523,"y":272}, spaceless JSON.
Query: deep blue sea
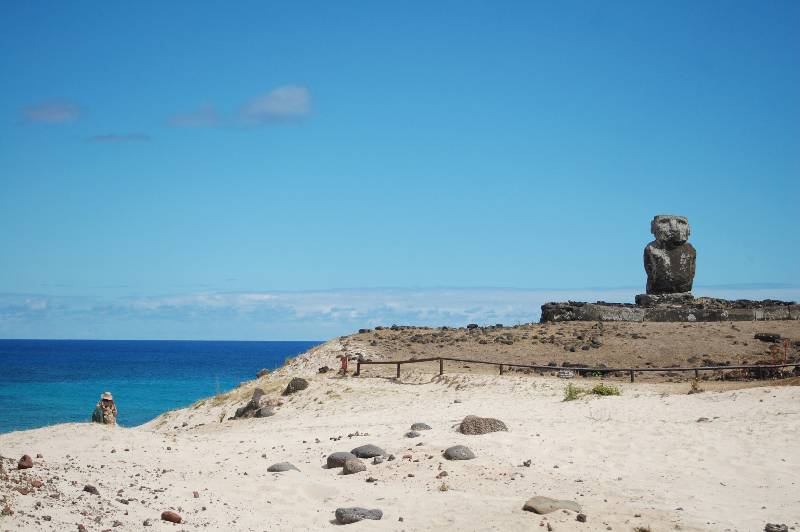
{"x":55,"y":381}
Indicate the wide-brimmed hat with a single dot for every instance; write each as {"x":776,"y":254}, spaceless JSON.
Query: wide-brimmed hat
{"x":107,"y":396}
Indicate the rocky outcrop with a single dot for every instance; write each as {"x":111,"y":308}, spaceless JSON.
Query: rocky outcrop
{"x":698,"y":309}
{"x":257,"y":406}
{"x":669,"y":262}
{"x":295,"y":385}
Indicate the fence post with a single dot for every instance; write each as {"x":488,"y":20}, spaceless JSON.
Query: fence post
{"x":501,"y":369}
{"x":631,"y":375}
{"x":358,"y":369}
{"x":441,"y":366}
{"x":697,"y":374}
{"x":398,"y":371}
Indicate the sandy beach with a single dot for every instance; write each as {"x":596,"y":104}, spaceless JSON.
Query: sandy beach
{"x":643,"y":459}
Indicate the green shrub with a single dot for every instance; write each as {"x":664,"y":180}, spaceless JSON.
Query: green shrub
{"x":604,"y":389}
{"x":572,"y":392}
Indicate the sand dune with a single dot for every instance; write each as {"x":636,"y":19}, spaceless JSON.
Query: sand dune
{"x":641,"y":459}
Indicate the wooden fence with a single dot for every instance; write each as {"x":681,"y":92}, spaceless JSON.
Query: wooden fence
{"x":760,"y":370}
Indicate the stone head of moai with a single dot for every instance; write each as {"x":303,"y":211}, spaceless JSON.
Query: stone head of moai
{"x":670,"y":229}
{"x":669,"y":260}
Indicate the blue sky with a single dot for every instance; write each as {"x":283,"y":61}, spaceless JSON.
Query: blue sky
{"x":204,"y":153}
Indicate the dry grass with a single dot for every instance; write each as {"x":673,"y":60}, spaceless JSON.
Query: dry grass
{"x":623,"y":344}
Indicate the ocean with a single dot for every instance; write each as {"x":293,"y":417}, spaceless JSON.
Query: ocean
{"x":55,"y":381}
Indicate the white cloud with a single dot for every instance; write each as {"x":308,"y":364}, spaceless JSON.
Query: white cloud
{"x":52,"y":112}
{"x":282,"y":104}
{"x":299,"y":315}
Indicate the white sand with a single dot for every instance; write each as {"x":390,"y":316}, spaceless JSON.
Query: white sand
{"x":641,"y":459}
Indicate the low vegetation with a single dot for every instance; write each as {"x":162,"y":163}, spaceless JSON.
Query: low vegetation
{"x":572,"y":392}
{"x":605,"y":389}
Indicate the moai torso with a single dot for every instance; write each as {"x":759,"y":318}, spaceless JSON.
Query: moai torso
{"x":669,"y":260}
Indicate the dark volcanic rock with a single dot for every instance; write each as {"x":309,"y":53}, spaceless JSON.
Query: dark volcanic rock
{"x":368,"y":451}
{"x":338,"y":459}
{"x":88,"y":488}
{"x":420,"y":426}
{"x":481,"y":425}
{"x":26,"y":462}
{"x":265,"y":411}
{"x":772,"y":527}
{"x":262,"y":373}
{"x":459,"y":452}
{"x":413,"y":434}
{"x":660,"y":300}
{"x":295,"y":385}
{"x":253,"y":406}
{"x":345,"y":516}
{"x":170,"y":516}
{"x":701,"y":309}
{"x":281,"y":467}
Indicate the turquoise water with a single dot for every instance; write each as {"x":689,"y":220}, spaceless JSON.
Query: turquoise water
{"x":54,"y":381}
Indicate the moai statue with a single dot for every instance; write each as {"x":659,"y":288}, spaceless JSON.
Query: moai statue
{"x":669,"y":260}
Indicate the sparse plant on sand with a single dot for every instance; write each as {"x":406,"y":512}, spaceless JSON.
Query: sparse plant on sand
{"x":572,"y":392}
{"x":695,"y":386}
{"x":444,"y":487}
{"x":605,"y":389}
{"x":641,"y":529}
{"x":222,"y":416}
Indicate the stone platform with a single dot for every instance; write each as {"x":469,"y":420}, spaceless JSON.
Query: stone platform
{"x":676,"y":308}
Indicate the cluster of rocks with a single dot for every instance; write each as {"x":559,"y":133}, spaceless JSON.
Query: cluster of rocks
{"x":351,"y":462}
{"x":26,"y":463}
{"x":699,"y":310}
{"x":258,"y":406}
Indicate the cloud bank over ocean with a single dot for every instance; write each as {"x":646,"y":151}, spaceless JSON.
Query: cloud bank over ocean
{"x":308,"y":315}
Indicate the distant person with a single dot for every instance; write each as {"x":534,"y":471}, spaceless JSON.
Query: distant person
{"x":106,"y":411}
{"x":343,"y":359}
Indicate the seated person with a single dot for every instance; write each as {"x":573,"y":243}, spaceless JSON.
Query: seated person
{"x":106,"y":411}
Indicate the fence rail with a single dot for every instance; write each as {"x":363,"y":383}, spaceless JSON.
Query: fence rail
{"x":758,"y":368}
